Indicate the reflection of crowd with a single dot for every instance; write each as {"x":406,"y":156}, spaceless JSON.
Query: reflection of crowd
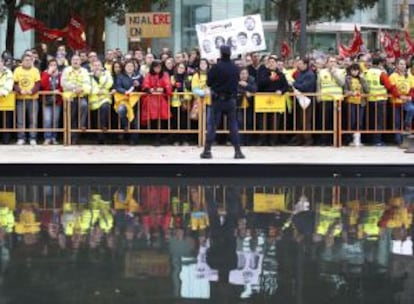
{"x":213,"y":234}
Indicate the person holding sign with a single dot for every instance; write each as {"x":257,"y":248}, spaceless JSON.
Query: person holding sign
{"x":223,"y":79}
{"x":271,"y":80}
{"x":7,"y":101}
{"x":26,"y":85}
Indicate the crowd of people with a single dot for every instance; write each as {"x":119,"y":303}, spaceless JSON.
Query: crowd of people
{"x":210,"y":233}
{"x":377,"y":93}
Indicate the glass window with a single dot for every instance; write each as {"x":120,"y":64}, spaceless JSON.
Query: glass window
{"x":265,"y":8}
{"x":193,"y":12}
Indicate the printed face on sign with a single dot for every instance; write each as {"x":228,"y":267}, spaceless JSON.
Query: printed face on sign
{"x":207,"y":46}
{"x":256,"y":39}
{"x":249,"y":23}
{"x":242,"y":38}
{"x":219,"y":41}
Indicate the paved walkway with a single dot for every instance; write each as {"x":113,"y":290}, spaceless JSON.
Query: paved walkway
{"x":190,"y":155}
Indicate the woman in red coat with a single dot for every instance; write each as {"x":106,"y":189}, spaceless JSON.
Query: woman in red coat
{"x":155,"y":107}
{"x":52,"y":104}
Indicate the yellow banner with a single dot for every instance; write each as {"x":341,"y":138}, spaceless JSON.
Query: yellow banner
{"x":8,"y":103}
{"x":270,"y":103}
{"x":148,"y":25}
{"x":8,"y":199}
{"x":268,"y":203}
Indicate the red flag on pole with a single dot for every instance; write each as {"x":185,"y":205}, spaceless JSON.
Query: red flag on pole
{"x":354,"y":47}
{"x":409,"y":43}
{"x":396,"y":46}
{"x":285,"y":50}
{"x":27,"y":22}
{"x":74,"y":32}
{"x":48,"y":35}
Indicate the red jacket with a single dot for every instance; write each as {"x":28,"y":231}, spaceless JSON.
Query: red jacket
{"x":155,"y":106}
{"x":46,"y":86}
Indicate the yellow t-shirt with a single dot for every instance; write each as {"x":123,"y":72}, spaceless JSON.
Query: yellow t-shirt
{"x":26,"y":79}
{"x":403,"y":85}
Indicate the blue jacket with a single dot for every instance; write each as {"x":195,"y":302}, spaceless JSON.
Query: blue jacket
{"x":123,"y":82}
{"x":306,"y":81}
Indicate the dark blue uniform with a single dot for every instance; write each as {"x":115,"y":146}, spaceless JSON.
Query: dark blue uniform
{"x":223,"y":80}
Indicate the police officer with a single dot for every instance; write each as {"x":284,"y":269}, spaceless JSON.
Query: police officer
{"x":223,"y":80}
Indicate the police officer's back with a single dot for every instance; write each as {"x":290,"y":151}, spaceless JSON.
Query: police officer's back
{"x":223,"y":80}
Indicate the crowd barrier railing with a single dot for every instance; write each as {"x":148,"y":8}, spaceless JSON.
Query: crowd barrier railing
{"x":374,"y":115}
{"x":183,"y":114}
{"x":25,"y":115}
{"x":268,"y":114}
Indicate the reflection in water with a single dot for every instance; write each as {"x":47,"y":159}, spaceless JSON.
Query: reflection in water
{"x":80,"y":243}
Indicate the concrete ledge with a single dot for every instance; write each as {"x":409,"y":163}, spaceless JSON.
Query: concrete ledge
{"x":142,"y":161}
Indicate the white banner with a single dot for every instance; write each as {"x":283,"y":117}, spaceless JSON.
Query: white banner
{"x":242,"y":35}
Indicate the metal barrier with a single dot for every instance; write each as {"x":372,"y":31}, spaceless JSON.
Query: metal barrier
{"x":375,"y":118}
{"x":23,"y":116}
{"x":183,"y":114}
{"x":290,"y":117}
{"x":137,"y":113}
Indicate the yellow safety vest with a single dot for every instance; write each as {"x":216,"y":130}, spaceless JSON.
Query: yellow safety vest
{"x":355,"y":87}
{"x":329,"y":88}
{"x":403,"y":85}
{"x":373,"y":78}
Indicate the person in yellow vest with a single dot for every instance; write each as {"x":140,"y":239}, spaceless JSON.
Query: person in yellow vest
{"x":6,"y":88}
{"x":26,"y":85}
{"x":7,"y":220}
{"x":378,"y":85}
{"x":109,"y":60}
{"x":330,"y":84}
{"x":401,"y":98}
{"x":100,"y":98}
{"x":201,"y":90}
{"x":355,"y":87}
{"x":76,"y":84}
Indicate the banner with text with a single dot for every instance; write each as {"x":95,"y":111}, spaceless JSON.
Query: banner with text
{"x":148,"y":25}
{"x":242,"y":35}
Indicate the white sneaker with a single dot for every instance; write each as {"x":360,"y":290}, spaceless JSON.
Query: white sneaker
{"x":54,"y":142}
{"x":47,"y":142}
{"x":33,"y":142}
{"x":20,"y":142}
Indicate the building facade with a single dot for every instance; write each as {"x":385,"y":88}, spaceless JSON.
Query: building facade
{"x":386,"y":14}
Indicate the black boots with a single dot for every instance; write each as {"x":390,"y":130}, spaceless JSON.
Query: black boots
{"x":207,"y":152}
{"x":238,"y":153}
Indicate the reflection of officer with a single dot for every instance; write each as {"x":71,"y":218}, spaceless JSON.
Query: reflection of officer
{"x":223,"y":79}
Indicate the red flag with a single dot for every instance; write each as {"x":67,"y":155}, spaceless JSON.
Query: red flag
{"x":396,"y":46}
{"x":48,"y":35}
{"x":296,"y":27}
{"x":28,"y":22}
{"x":354,"y":47}
{"x":285,"y":50}
{"x":76,"y":25}
{"x":386,"y":42}
{"x":74,"y":31}
{"x":409,"y":43}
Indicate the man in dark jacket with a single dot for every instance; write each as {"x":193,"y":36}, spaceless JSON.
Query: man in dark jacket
{"x":245,"y":113}
{"x":305,"y":82}
{"x":223,"y":80}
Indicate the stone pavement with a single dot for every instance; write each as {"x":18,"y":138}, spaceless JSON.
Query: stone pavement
{"x":190,"y":155}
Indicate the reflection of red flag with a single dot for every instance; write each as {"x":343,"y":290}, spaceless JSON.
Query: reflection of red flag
{"x":285,"y":49}
{"x":48,"y":35}
{"x":396,"y":46}
{"x":28,"y":22}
